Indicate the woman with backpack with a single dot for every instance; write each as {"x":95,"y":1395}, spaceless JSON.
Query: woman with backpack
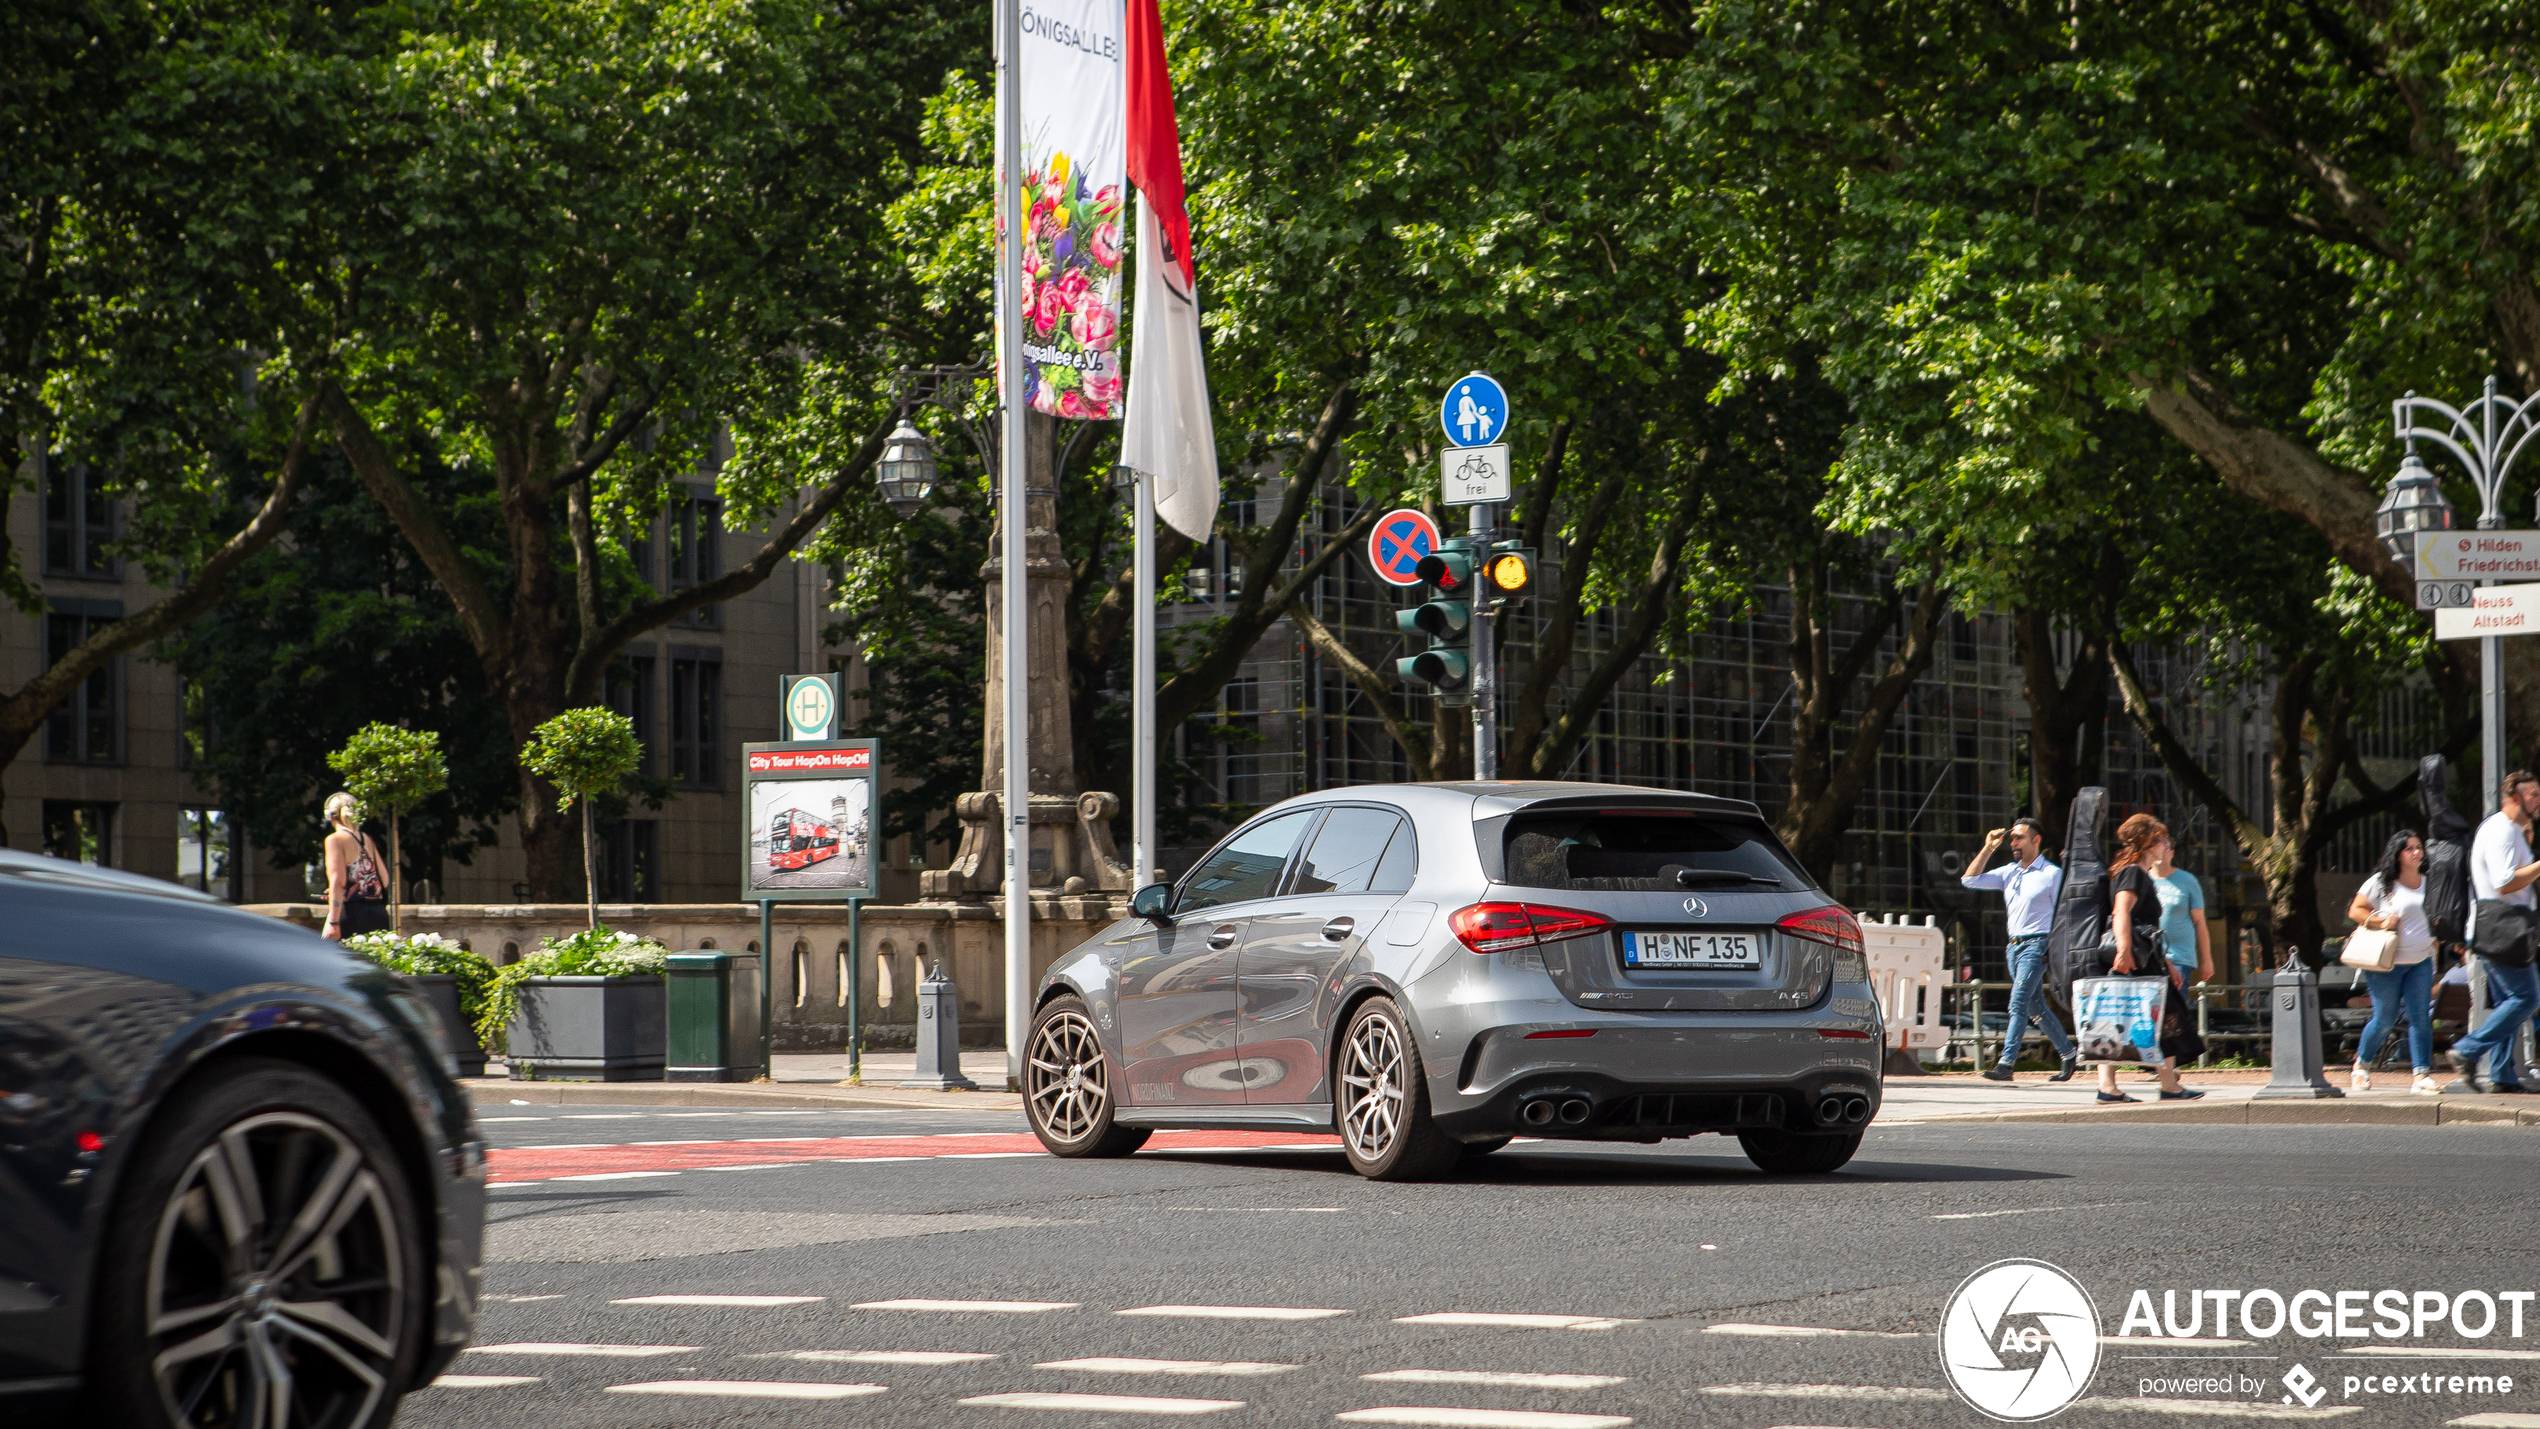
{"x":2393,"y":901}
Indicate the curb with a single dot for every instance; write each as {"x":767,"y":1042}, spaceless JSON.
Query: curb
{"x":499,"y":1091}
{"x":2324,"y":1112}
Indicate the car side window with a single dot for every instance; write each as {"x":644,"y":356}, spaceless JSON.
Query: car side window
{"x":1247,"y":866}
{"x":1402,"y":859}
{"x":1347,"y":852}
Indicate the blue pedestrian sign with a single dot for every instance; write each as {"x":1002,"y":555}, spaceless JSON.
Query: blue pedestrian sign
{"x":1475,"y":412}
{"x":1400,"y":539}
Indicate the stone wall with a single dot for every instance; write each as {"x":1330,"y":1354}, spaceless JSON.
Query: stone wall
{"x":811,"y":951}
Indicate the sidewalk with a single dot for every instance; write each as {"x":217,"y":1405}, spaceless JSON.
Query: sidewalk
{"x":2230,"y":1097}
{"x":815,"y":1079}
{"x":811,"y":1079}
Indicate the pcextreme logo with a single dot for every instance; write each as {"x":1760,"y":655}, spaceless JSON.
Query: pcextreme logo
{"x":2019,"y":1341}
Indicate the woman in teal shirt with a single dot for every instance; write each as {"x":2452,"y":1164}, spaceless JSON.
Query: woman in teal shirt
{"x":2191,"y":951}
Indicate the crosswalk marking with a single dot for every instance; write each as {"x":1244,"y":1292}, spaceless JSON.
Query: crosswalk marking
{"x":1899,"y":1393}
{"x":750,"y":1388}
{"x":987,"y":1307}
{"x":913,"y":1357}
{"x":1113,"y":1365}
{"x":1508,"y":1379}
{"x":615,"y":1352}
{"x":739,"y":1301}
{"x":2497,"y":1419}
{"x":1106,"y":1403}
{"x":1799,"y":1331}
{"x":1451,"y":1418}
{"x":2439,"y":1352}
{"x":2225,"y":1408}
{"x":1235,"y":1312}
{"x":482,"y":1381}
{"x":1519,"y":1322}
{"x":617,"y":1176}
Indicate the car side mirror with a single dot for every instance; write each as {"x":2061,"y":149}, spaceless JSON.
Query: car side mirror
{"x":1155,"y":904}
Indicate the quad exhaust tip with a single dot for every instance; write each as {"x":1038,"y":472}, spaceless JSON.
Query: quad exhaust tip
{"x":1856,"y":1110}
{"x":1574,"y":1112}
{"x":1830,"y":1111}
{"x":1538,"y":1113}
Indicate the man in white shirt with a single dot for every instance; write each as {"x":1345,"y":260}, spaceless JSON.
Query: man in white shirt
{"x":2502,"y":869}
{"x":2029,"y":885}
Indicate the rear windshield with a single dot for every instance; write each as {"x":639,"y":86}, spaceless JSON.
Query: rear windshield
{"x":1588,"y":851}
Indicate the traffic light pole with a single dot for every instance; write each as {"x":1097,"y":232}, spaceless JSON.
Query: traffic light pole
{"x":1485,"y":658}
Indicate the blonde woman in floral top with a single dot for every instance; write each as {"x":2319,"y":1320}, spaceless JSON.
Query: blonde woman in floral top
{"x":356,"y":878}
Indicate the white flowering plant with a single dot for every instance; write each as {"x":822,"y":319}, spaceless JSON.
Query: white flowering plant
{"x":431,"y":953}
{"x":600,"y":951}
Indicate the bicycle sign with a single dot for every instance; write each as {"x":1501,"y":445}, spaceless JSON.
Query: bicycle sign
{"x":1400,"y":539}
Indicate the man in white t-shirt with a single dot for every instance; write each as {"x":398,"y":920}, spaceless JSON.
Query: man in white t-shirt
{"x":2502,"y":869}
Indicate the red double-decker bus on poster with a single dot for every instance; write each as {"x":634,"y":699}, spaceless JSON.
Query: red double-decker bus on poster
{"x":797,"y":840}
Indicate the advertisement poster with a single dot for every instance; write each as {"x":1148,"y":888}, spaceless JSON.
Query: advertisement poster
{"x":1074,"y":216}
{"x":811,"y":820}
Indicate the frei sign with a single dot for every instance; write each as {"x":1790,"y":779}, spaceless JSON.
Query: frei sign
{"x":2493,"y":610}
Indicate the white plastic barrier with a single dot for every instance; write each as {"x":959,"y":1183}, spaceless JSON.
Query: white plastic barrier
{"x":1907,"y":971}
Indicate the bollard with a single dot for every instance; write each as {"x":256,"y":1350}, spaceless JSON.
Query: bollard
{"x":2296,"y":1028}
{"x":939,"y":1037}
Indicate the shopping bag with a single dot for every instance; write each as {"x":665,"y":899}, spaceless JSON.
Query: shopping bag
{"x":2118,"y":1019}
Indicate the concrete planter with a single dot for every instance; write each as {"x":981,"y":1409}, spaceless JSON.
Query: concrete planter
{"x":589,"y":1029}
{"x":442,"y":991}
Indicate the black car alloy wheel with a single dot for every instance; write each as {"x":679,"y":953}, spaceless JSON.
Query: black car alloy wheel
{"x":276,"y":1281}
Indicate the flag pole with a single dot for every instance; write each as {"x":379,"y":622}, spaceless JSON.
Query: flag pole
{"x":1012,"y":455}
{"x":1142,"y":862}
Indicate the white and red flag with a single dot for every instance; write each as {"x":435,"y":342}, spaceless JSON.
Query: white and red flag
{"x":1168,"y":434}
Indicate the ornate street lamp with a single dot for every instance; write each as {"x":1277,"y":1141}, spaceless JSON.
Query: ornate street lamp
{"x":906,"y":471}
{"x":2413,"y":502}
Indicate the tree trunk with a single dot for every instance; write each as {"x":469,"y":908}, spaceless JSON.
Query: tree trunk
{"x":1825,"y":790}
{"x":396,"y":880}
{"x":2065,"y":744}
{"x":590,"y":871}
{"x":1377,"y":685}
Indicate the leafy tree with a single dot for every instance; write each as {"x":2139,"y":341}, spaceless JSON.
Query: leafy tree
{"x":581,"y":252}
{"x":394,"y":769}
{"x":584,"y":753}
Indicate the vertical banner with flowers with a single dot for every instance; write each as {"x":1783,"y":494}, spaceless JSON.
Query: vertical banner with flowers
{"x":1070,"y":115}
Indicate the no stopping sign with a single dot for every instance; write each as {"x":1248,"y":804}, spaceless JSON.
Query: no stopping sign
{"x":1400,"y":539}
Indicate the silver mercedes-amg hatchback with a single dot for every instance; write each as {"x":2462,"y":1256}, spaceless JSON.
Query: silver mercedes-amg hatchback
{"x":1433,"y":969}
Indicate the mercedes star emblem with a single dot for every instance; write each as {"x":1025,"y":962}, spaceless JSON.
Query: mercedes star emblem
{"x":1697,"y":908}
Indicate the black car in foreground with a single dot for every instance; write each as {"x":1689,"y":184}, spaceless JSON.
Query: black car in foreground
{"x":239,"y":1184}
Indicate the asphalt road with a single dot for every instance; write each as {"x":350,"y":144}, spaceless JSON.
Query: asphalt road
{"x":1680,"y":1285}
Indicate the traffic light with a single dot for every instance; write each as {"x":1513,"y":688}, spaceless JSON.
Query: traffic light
{"x":1447,"y":620}
{"x":1508,"y":573}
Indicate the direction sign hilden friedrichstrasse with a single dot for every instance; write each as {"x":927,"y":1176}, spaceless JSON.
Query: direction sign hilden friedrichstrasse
{"x":2493,"y":610}
{"x":1474,"y":411}
{"x":1400,"y":539}
{"x":2478,"y":555}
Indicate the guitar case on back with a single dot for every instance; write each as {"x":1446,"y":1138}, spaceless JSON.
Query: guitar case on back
{"x":2081,"y":905}
{"x":2447,"y":840}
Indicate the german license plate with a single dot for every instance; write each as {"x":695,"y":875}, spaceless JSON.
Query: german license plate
{"x":1692,"y":950}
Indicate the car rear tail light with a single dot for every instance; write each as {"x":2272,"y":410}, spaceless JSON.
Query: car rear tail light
{"x":1500,"y":927}
{"x":1829,"y":925}
{"x":1844,"y":1034}
{"x":1561,"y":1032}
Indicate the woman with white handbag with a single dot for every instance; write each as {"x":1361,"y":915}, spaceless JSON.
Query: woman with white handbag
{"x":2395,"y":948}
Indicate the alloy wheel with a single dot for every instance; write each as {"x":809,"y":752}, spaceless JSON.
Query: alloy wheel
{"x":1372,"y":1087}
{"x":277,"y":1281}
{"x":1064,"y":1078}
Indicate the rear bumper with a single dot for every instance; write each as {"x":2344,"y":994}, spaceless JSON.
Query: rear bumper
{"x":1644,"y":1076}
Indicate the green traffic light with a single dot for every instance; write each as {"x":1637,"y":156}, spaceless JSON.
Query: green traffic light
{"x":1446,"y":621}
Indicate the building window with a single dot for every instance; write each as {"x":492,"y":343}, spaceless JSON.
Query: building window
{"x":630,"y":864}
{"x":693,"y":530}
{"x":696,"y":717}
{"x":202,"y":851}
{"x":87,"y":727}
{"x":79,"y":522}
{"x":82,"y":833}
{"x":635,"y":692}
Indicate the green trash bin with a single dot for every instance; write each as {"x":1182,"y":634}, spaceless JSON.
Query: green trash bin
{"x":712,"y":1014}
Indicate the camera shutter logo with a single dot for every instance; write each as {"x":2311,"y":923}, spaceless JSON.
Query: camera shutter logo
{"x":2019,"y":1341}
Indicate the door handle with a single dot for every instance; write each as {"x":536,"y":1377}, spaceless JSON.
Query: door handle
{"x":1338,"y":929}
{"x":1223,"y":938}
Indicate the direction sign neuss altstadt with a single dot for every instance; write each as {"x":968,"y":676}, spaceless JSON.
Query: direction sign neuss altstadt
{"x":2493,"y":610}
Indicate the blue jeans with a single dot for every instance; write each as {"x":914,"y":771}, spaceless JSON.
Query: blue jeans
{"x":2028,"y":998}
{"x":2403,"y":991}
{"x":2513,"y":995}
